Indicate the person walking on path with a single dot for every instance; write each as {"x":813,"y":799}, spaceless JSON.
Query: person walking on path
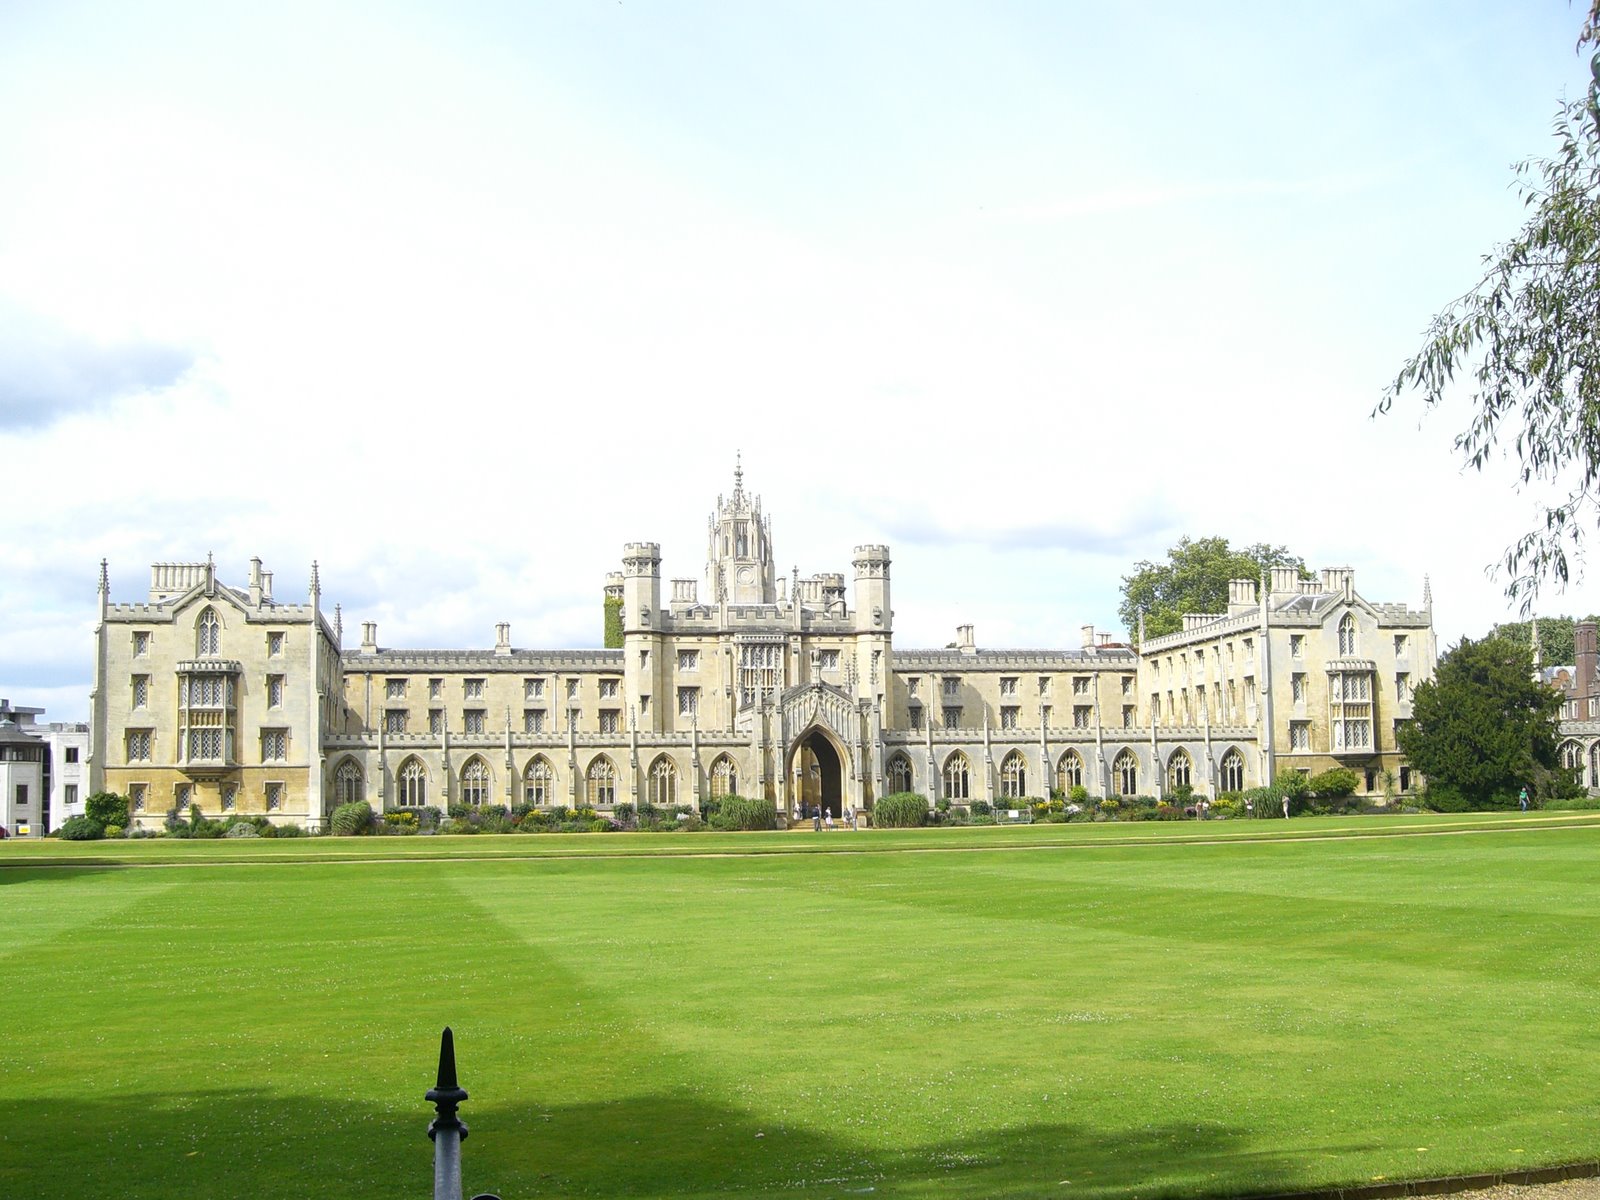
{"x":1522,"y":800}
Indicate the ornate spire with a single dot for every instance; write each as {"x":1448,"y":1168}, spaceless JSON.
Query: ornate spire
{"x":738,"y":475}
{"x":316,"y":581}
{"x":1427,"y":594}
{"x":105,"y":579}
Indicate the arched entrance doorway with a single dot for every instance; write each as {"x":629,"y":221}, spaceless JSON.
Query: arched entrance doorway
{"x":818,"y":773}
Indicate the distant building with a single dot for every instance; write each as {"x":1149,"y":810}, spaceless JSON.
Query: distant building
{"x":1579,"y":723}
{"x":787,"y":687}
{"x":41,"y":771}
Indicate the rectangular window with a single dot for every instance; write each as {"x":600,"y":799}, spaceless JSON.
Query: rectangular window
{"x":952,"y":685}
{"x":1399,"y":645}
{"x":394,"y":721}
{"x":274,"y":793}
{"x":1008,"y":716}
{"x":274,"y":691}
{"x":138,"y":745}
{"x":72,"y":754}
{"x":1127,"y":685}
{"x":1008,"y":685}
{"x":473,"y":720}
{"x":533,"y":720}
{"x":916,"y":719}
{"x":1127,"y":716}
{"x":572,"y":689}
{"x":829,"y":660}
{"x":141,"y":691}
{"x":1044,"y":685}
{"x":952,"y":717}
{"x":141,"y":644}
{"x":1299,"y":735}
{"x":688,"y":660}
{"x":1081,"y":685}
{"x":275,"y":645}
{"x":69,"y":794}
{"x":205,"y":744}
{"x":22,"y":795}
{"x":472,"y":689}
{"x":609,"y":720}
{"x":1297,"y":686}
{"x":533,"y":689}
{"x":435,"y":689}
{"x":608,"y":689}
{"x":1402,"y":687}
{"x":394,"y":689}
{"x":1297,"y":645}
{"x":688,"y":701}
{"x":230,"y":792}
{"x":136,"y":795}
{"x":1081,"y":715}
{"x":436,"y":721}
{"x":1249,"y":650}
{"x":274,"y":745}
{"x":911,"y":685}
{"x":181,"y":794}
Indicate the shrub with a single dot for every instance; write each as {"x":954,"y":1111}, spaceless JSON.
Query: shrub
{"x":81,"y":829}
{"x":428,"y":816}
{"x":114,"y":831}
{"x":1561,"y":804}
{"x":901,"y":810}
{"x":206,"y":829}
{"x":107,"y":808}
{"x":624,"y":815}
{"x":1226,"y":806}
{"x":287,"y":831}
{"x":352,"y":819}
{"x":1168,"y":812}
{"x":1078,"y":794}
{"x":744,"y":812}
{"x":457,"y":825}
{"x":981,"y":808}
{"x":242,"y":830}
{"x":1335,"y":784}
{"x":1110,"y":805}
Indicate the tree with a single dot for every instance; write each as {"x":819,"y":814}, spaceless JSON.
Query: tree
{"x":1555,"y":637}
{"x":1481,"y":729}
{"x":1194,"y":579}
{"x":1526,"y":342}
{"x":107,"y":809}
{"x":613,"y":623}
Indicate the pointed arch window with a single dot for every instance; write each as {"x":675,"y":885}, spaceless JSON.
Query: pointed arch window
{"x":1069,"y":772}
{"x":1125,"y":773}
{"x":413,"y":781}
{"x":957,"y":777}
{"x":207,"y":634}
{"x":1572,"y":756}
{"x":538,"y":782}
{"x":661,"y":788}
{"x":348,"y":784}
{"x":1014,"y":776}
{"x":1232,"y":771}
{"x":899,"y":774}
{"x":475,"y":782}
{"x":724,"y":777}
{"x":1347,"y":636}
{"x":602,"y":780}
{"x":1180,"y":770}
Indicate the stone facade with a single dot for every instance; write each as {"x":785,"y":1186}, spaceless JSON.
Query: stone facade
{"x":784,"y":687}
{"x":1578,"y":726}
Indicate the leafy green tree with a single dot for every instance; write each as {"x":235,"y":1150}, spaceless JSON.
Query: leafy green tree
{"x":1481,"y":729}
{"x":613,"y":624}
{"x":1555,"y":637}
{"x":1525,"y":343}
{"x":107,"y":808}
{"x":1194,"y":578}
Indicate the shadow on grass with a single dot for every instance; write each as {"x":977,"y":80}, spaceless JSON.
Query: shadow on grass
{"x":246,"y":1144}
{"x":34,"y":870}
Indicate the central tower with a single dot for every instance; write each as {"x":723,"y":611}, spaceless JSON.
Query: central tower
{"x":739,"y":563}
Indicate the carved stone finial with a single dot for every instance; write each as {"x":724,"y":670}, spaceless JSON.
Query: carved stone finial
{"x":105,"y":578}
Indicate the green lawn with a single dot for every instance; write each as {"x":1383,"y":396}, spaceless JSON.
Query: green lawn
{"x":1057,"y":1010}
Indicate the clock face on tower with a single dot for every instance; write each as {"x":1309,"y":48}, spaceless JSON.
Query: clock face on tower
{"x":747,"y":574}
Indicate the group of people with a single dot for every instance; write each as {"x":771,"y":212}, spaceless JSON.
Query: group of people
{"x":822,"y":818}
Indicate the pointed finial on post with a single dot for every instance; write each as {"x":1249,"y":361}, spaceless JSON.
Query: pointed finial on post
{"x":446,"y":1095}
{"x":105,"y":578}
{"x":316,"y":581}
{"x":738,"y":474}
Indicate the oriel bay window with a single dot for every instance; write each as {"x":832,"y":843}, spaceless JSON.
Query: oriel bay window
{"x":206,"y":711}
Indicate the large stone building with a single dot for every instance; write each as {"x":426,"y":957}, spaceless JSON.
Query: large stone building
{"x":784,"y":687}
{"x":1578,"y":725}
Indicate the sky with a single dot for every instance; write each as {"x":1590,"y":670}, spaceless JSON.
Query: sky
{"x":455,"y":300}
